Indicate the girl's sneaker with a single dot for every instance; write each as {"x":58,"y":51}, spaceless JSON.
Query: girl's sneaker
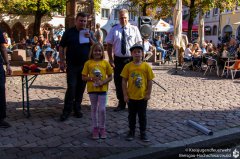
{"x":103,"y":133}
{"x":95,"y":134}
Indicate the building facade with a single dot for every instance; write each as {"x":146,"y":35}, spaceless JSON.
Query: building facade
{"x":211,"y":25}
{"x":20,"y":26}
{"x":228,"y":24}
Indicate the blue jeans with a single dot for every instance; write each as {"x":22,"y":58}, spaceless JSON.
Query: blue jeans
{"x":164,"y":52}
{"x":2,"y":93}
{"x":38,"y":53}
{"x":75,"y":89}
{"x":55,"y":56}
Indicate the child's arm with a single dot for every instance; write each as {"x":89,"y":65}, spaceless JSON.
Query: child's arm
{"x":87,"y":78}
{"x":149,"y":90}
{"x":124,"y":88}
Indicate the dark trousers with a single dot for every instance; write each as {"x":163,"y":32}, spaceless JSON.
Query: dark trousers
{"x":75,"y":89}
{"x":120,"y":62}
{"x":2,"y":93}
{"x":137,"y":107}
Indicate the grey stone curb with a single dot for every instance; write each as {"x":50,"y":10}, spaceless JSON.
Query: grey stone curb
{"x":176,"y":147}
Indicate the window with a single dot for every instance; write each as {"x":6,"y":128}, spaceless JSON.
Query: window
{"x":207,"y":30}
{"x":131,"y":15}
{"x":215,"y":11}
{"x":116,"y":12}
{"x":214,"y":30}
{"x":207,"y":14}
{"x":185,"y":12}
{"x":105,"y":13}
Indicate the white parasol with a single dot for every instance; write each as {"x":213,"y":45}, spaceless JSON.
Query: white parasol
{"x":177,"y":23}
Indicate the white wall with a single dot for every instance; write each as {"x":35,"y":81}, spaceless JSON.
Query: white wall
{"x":107,"y":23}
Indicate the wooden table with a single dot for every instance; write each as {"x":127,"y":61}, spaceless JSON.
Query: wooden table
{"x":27,"y":81}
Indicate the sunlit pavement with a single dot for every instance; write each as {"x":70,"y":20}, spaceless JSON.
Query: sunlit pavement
{"x":208,"y":100}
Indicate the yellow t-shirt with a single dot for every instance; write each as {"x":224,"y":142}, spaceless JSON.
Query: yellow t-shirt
{"x":138,"y":76}
{"x":97,"y":68}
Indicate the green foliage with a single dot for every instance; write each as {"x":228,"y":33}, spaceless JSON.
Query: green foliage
{"x":166,"y":7}
{"x":194,"y":5}
{"x":44,"y":7}
{"x":38,"y":8}
{"x":97,"y":5}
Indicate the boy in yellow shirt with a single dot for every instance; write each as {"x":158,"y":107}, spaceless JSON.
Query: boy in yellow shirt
{"x":137,"y":86}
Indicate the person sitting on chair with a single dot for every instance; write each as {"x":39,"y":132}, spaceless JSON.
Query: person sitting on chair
{"x":149,"y":50}
{"x":159,"y":47}
{"x":197,"y":56}
{"x":188,"y":53}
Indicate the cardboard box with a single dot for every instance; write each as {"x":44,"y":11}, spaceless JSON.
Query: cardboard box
{"x":19,"y":55}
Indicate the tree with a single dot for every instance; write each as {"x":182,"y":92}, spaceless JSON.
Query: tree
{"x":195,"y":6}
{"x":166,"y":7}
{"x":38,"y":8}
{"x":97,"y":5}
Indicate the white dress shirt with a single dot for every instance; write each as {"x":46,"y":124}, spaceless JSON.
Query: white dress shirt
{"x":132,"y":36}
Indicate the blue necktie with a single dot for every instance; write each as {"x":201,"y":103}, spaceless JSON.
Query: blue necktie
{"x":123,"y":42}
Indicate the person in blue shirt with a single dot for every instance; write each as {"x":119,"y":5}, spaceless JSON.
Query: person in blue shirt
{"x":159,"y":47}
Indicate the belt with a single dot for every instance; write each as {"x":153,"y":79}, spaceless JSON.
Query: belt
{"x":117,"y":57}
{"x":122,"y":59}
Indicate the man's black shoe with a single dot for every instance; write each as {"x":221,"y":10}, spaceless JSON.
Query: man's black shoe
{"x":4,"y":124}
{"x":78,"y":114}
{"x":64,"y":117}
{"x":118,"y":109}
{"x":130,"y":136}
{"x":144,"y":137}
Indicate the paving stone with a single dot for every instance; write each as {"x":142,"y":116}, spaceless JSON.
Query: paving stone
{"x":210,"y":101}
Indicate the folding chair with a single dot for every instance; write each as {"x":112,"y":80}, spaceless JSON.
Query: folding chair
{"x":148,"y":55}
{"x":226,"y":69}
{"x":234,"y":68}
{"x":211,"y":64}
{"x":185,"y":62}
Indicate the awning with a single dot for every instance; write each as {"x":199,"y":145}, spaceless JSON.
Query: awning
{"x":185,"y":26}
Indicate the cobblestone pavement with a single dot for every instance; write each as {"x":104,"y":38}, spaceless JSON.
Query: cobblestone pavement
{"x":209,"y":100}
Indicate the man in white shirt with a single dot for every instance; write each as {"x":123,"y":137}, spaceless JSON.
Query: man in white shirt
{"x":119,"y":40}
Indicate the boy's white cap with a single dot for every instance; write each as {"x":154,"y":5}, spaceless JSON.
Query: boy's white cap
{"x":139,"y":46}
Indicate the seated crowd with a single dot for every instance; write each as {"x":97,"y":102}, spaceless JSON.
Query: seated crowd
{"x":209,"y":54}
{"x":36,"y":47}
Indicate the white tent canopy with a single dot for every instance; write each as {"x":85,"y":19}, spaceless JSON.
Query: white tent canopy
{"x":162,"y":26}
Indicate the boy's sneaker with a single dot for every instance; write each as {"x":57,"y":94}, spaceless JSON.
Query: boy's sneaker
{"x":95,"y":133}
{"x":144,"y":137}
{"x":130,"y":136}
{"x":4,"y":124}
{"x":103,"y":133}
